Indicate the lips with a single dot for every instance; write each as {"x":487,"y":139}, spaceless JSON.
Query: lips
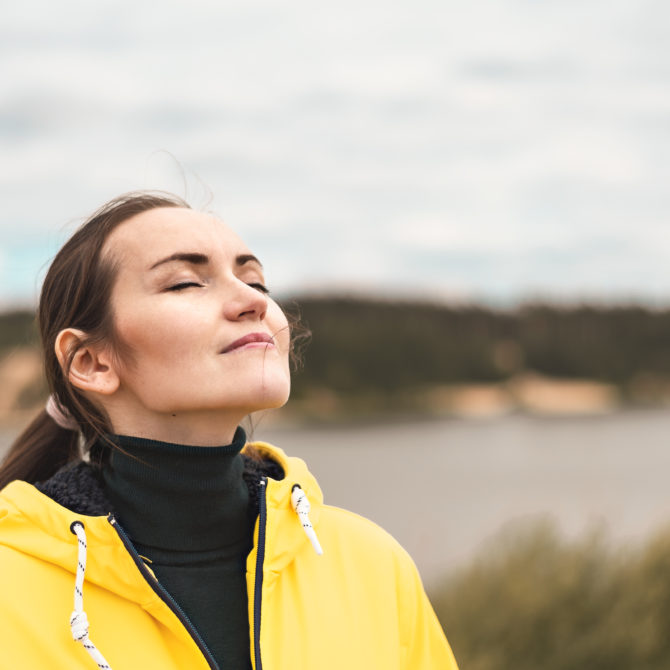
{"x":251,"y":338}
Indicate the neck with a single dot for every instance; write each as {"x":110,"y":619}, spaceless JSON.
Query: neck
{"x":202,"y":428}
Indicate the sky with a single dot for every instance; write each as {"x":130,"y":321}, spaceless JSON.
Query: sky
{"x":494,"y":150}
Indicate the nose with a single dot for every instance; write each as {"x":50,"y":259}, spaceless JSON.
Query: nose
{"x":245,"y":302}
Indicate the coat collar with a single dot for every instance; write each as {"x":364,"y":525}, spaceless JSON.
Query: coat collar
{"x":36,"y":520}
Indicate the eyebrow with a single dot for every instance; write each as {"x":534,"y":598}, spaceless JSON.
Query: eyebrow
{"x":247,"y":258}
{"x":203,"y":259}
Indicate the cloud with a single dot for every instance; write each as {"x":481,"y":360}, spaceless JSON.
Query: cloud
{"x":487,"y":146}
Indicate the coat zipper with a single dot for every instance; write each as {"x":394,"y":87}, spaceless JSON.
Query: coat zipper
{"x":163,"y":594}
{"x":258,"y":585}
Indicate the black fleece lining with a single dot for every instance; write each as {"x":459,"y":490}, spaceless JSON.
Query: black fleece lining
{"x":78,"y":486}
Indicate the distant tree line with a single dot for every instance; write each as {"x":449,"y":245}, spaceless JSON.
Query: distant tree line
{"x":17,"y":329}
{"x":365,"y":345}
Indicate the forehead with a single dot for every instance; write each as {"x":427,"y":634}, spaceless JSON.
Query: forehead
{"x":149,"y":236}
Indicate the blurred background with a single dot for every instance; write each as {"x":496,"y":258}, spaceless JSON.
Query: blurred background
{"x":469,"y":205}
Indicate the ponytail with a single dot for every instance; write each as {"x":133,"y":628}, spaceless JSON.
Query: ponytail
{"x":39,"y":451}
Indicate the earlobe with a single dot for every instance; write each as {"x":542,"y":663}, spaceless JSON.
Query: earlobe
{"x":92,"y":367}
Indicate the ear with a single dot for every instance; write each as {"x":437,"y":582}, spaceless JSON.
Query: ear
{"x":92,"y":367}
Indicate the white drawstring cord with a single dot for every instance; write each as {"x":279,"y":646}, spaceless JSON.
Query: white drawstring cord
{"x":301,"y":506}
{"x":78,"y":619}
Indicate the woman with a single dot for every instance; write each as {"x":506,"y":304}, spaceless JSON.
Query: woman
{"x":182,"y":546}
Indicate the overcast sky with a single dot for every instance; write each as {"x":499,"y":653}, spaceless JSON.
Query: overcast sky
{"x":493,"y":149}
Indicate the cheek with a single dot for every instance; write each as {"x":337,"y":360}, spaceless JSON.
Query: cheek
{"x":149,"y":336}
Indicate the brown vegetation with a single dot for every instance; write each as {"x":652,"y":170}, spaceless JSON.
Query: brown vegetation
{"x":532,"y":600}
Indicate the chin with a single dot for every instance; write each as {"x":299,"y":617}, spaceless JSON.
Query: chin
{"x":272,"y":393}
{"x":274,"y":398}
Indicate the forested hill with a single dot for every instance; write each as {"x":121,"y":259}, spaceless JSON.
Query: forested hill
{"x":365,"y":344}
{"x":365,"y":348}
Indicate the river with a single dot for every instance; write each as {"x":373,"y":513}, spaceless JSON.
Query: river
{"x":443,"y":488}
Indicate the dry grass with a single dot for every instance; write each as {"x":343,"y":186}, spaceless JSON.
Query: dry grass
{"x":535,"y":602}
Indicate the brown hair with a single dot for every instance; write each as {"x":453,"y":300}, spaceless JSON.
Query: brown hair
{"x":76,"y":294}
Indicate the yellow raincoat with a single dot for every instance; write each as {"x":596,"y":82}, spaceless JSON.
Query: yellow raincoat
{"x":359,"y":606}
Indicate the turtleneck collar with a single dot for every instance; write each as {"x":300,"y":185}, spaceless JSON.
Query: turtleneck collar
{"x":177,"y":497}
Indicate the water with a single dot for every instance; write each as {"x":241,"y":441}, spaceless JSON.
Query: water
{"x":443,"y":488}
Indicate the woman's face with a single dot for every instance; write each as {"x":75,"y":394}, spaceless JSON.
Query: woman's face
{"x":190,"y":304}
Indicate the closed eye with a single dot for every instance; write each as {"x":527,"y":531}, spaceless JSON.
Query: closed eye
{"x":259,"y":287}
{"x":183,"y":285}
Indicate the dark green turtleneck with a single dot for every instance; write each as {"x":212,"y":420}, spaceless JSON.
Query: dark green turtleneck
{"x":186,"y":509}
